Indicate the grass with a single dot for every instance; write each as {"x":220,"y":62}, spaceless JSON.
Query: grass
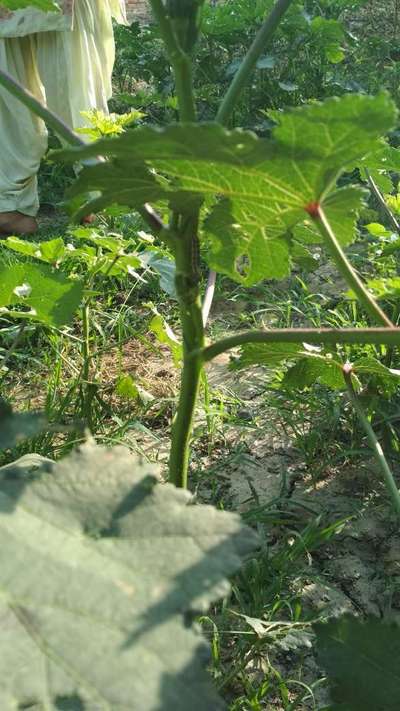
{"x":250,"y":435}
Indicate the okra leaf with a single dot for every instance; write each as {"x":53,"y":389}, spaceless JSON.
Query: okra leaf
{"x":177,"y":142}
{"x":102,"y":571}
{"x":267,"y":354}
{"x":313,"y":369}
{"x":259,"y":189}
{"x":310,"y":366}
{"x":124,"y":182}
{"x":387,"y":377}
{"x":385,"y":287}
{"x":241,"y":246}
{"x":362,"y":659}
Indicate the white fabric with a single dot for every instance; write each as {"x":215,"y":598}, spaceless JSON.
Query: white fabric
{"x":27,"y":21}
{"x":69,"y":71}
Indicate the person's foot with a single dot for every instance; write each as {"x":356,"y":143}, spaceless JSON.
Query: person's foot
{"x":88,"y":219}
{"x":15,"y":223}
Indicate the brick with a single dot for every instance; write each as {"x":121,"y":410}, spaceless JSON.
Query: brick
{"x":138,"y":10}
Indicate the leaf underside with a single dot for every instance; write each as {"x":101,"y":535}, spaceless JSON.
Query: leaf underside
{"x":362,"y":659}
{"x":256,"y":189}
{"x":101,"y":571}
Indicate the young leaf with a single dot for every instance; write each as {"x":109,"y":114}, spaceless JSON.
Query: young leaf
{"x":47,"y":295}
{"x":328,"y":35}
{"x":165,"y":335}
{"x":377,"y":230}
{"x":268,"y":354}
{"x":102,"y":570}
{"x":260,"y":187}
{"x":362,"y":659}
{"x":51,"y":251}
{"x":111,"y":243}
{"x":313,"y":369}
{"x":164,"y":267}
{"x":385,"y":288}
{"x":127,"y":388}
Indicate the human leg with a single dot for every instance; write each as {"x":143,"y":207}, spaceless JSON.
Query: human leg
{"x":76,"y":67}
{"x":23,"y":140}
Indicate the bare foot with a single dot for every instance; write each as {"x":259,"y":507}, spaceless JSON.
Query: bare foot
{"x":15,"y":223}
{"x":88,"y":219}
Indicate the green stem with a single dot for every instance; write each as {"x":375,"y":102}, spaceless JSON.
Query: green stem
{"x":9,"y":354}
{"x":184,"y":236}
{"x":181,"y":64}
{"x":346,"y":270}
{"x":188,"y":291}
{"x":207,"y":407}
{"x":86,"y":356}
{"x":316,"y":336}
{"x":383,"y":204}
{"x":373,"y":440}
{"x":86,"y":341}
{"x":183,"y":72}
{"x":391,"y":350}
{"x":248,"y":65}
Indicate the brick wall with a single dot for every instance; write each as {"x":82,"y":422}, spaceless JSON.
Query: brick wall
{"x":137,"y":9}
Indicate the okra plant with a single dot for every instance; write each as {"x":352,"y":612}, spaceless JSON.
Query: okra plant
{"x":248,"y":206}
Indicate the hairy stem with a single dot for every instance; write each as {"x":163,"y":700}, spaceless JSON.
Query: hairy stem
{"x":181,"y":64}
{"x":347,"y":271}
{"x":391,"y":350}
{"x":188,"y":291}
{"x":316,"y":336}
{"x":248,"y":65}
{"x":185,"y":242}
{"x":373,"y":440}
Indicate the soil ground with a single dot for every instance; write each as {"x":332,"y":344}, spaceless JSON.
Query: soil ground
{"x":254,"y":465}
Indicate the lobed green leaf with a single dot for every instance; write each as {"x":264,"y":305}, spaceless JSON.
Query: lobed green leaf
{"x":102,"y":570}
{"x":39,"y":293}
{"x":258,"y":189}
{"x":362,"y":658}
